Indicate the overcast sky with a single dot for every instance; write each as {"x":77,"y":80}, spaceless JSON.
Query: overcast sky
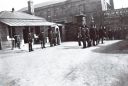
{"x":18,"y":4}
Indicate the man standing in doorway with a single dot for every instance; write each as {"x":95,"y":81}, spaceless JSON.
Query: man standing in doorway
{"x":50,"y":36}
{"x":83,"y":33}
{"x":30,"y":37}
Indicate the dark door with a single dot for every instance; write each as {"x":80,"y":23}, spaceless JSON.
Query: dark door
{"x":25,"y":34}
{"x":37,"y":30}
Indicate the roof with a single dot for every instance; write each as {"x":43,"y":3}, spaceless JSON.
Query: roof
{"x":18,"y":15}
{"x":22,"y":19}
{"x":44,"y":4}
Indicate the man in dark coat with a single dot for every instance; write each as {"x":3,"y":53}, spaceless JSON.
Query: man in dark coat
{"x":15,"y":37}
{"x":88,"y":36}
{"x":97,"y":36}
{"x":101,"y":34}
{"x":18,"y":41}
{"x":50,"y":36}
{"x":83,"y":33}
{"x":58,"y":36}
{"x":42,"y":39}
{"x":30,"y":37}
{"x":92,"y":34}
{"x":54,"y":41}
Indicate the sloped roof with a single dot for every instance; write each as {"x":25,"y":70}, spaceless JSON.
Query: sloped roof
{"x":44,"y":4}
{"x":22,"y":19}
{"x":18,"y":15}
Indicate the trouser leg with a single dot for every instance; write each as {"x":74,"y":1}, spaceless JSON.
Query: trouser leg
{"x":18,"y":45}
{"x":102,"y":40}
{"x":13,"y":44}
{"x":84,"y":44}
{"x":30,"y":47}
{"x":58,"y":41}
{"x":93,"y":42}
{"x":43,"y":43}
{"x":79,"y":42}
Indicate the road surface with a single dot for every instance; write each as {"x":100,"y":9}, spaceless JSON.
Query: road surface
{"x":66,"y":65}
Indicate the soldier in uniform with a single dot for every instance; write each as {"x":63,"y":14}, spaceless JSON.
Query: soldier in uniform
{"x":30,"y":37}
{"x":92,"y":34}
{"x":97,"y":36}
{"x":54,"y":38}
{"x":83,"y":33}
{"x":87,"y":36}
{"x":42,"y":39}
{"x":50,"y":36}
{"x":101,"y":34}
{"x":58,"y":36}
{"x":15,"y":37}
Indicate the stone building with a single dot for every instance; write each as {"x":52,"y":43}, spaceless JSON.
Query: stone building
{"x":117,"y":20}
{"x":69,"y":12}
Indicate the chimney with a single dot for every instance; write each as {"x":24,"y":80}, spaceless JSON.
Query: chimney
{"x":13,"y":9}
{"x":30,"y":7}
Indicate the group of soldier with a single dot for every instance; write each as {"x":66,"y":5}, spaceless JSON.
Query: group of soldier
{"x":117,"y":33}
{"x":53,"y":37}
{"x":87,"y":36}
{"x":90,"y":36}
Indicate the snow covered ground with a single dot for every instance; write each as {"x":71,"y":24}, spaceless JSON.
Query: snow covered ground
{"x":66,"y":65}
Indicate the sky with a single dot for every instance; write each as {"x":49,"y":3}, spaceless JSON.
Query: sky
{"x":18,"y":4}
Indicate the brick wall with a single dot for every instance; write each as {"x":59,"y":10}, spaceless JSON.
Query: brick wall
{"x":66,"y":10}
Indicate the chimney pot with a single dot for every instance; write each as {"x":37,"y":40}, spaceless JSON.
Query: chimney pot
{"x":13,"y":9}
{"x":30,"y":7}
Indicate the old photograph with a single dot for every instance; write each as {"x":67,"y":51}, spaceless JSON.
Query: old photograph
{"x":64,"y":43}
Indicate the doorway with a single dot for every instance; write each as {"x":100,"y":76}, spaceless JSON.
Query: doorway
{"x":25,"y":34}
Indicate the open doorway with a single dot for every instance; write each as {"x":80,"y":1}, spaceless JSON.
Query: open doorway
{"x":37,"y":32}
{"x":25,"y":34}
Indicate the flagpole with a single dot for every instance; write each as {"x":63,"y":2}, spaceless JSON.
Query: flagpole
{"x":122,"y":3}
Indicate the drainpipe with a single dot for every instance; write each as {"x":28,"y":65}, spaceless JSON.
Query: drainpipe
{"x":0,"y":43}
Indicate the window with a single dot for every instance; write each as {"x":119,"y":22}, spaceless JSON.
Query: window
{"x":55,"y":12}
{"x":48,"y":13}
{"x":37,"y":30}
{"x":62,"y":11}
